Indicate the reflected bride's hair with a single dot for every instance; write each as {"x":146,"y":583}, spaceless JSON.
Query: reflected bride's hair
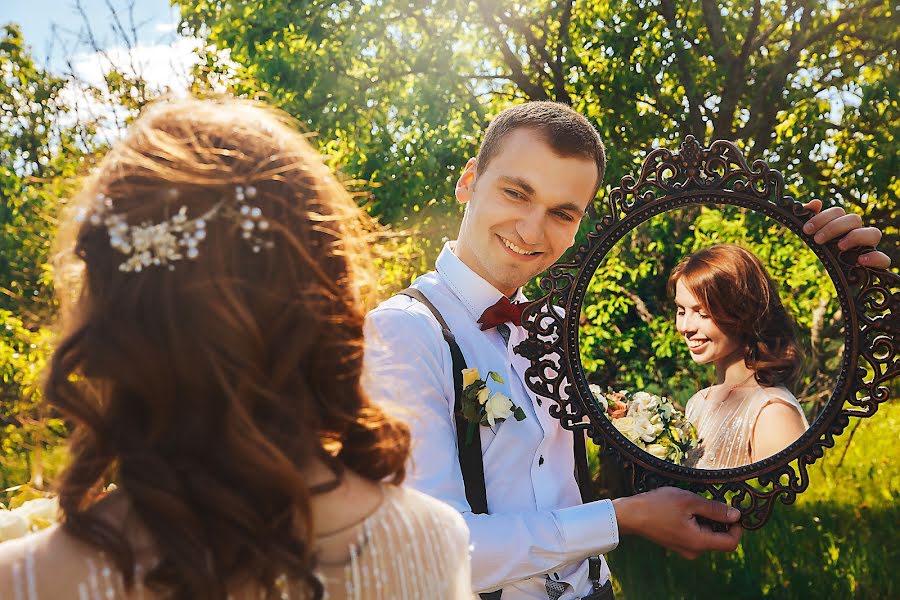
{"x":203,"y":390}
{"x":736,"y":291}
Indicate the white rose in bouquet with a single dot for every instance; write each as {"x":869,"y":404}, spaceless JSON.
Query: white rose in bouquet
{"x":657,"y":450}
{"x":644,"y":427}
{"x":643,"y":402}
{"x":598,"y":394}
{"x":40,"y":512}
{"x":12,"y":525}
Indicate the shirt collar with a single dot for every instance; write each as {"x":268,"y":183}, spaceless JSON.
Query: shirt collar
{"x":475,"y":293}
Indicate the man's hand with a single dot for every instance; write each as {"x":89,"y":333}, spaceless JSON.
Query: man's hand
{"x":668,"y":516}
{"x":834,"y":222}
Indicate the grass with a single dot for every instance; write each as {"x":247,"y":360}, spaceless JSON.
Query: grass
{"x":839,"y":540}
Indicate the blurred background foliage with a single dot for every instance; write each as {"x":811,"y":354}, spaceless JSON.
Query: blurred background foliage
{"x":397,"y":94}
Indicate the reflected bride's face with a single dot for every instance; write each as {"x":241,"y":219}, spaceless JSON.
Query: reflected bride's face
{"x":706,"y":342}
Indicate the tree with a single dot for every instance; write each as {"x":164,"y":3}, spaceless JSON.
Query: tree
{"x":809,"y":86}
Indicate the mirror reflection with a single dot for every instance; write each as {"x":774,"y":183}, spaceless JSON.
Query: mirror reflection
{"x":711,"y":336}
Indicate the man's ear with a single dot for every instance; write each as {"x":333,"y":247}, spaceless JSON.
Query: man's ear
{"x":465,"y":185}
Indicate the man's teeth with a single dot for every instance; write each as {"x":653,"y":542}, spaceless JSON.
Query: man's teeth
{"x":516,"y":249}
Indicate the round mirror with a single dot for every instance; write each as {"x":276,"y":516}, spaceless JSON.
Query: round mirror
{"x":700,"y":338}
{"x":711,"y":336}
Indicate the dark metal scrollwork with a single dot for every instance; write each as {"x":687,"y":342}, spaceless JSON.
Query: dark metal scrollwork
{"x":720,"y":174}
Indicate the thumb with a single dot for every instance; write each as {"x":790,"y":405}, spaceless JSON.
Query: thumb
{"x":716,"y":511}
{"x":814,"y":205}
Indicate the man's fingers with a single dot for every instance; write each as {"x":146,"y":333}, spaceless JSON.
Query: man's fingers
{"x":813,"y":205}
{"x":875,"y":260}
{"x":723,"y":541}
{"x":715,"y":511}
{"x":838,"y":227}
{"x":823,"y":218}
{"x":864,"y":236}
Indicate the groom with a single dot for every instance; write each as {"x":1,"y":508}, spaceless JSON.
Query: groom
{"x":539,"y":167}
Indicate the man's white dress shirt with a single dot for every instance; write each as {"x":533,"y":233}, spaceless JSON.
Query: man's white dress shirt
{"x":537,"y":525}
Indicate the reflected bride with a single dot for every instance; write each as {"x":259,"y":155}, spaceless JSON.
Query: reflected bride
{"x":729,"y":314}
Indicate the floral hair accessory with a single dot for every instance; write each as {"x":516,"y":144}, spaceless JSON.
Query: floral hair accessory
{"x":178,"y":237}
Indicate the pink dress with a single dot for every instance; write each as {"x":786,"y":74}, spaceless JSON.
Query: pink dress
{"x":726,"y":428}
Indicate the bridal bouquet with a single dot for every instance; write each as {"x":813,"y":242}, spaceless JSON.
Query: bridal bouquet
{"x":651,"y":422}
{"x":29,"y":516}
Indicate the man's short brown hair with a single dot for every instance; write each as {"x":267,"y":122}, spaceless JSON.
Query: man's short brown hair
{"x":565,"y":130}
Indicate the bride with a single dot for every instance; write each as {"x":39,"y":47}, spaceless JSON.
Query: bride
{"x":729,"y":314}
{"x":210,"y":368}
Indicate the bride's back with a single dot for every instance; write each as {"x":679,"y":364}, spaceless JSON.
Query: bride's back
{"x":210,"y":364}
{"x":407,"y":545}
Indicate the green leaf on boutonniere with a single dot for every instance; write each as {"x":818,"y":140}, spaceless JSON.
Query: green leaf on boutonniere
{"x":470,"y":433}
{"x":495,"y":377}
{"x":471,"y":411}
{"x":519,"y":414}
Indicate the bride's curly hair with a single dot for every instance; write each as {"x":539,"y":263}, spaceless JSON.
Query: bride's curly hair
{"x":205,"y":387}
{"x":734,"y":288}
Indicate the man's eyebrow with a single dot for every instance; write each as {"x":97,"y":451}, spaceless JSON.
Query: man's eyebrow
{"x":571,"y":207}
{"x":528,"y":189}
{"x":518,"y":181}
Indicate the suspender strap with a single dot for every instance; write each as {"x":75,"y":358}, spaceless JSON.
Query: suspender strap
{"x":582,"y":472}
{"x":470,"y":460}
{"x":469,"y":454}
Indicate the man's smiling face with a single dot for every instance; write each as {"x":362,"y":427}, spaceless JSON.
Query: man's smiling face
{"x":523,"y":210}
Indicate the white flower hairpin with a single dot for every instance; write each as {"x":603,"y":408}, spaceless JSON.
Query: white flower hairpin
{"x":178,"y":237}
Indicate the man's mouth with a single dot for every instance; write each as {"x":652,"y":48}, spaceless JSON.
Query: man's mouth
{"x":517,"y":249}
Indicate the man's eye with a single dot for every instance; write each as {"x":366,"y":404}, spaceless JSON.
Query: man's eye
{"x":564,"y":216}
{"x":514,"y":194}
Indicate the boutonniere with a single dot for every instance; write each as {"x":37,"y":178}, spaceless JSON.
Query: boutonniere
{"x":481,"y":407}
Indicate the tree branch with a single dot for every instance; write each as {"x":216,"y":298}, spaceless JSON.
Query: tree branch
{"x":713,"y":19}
{"x":537,"y":46}
{"x":517,"y":69}
{"x":695,"y":124}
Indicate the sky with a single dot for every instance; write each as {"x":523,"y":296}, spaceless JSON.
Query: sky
{"x":155,"y":22}
{"x":58,"y":36}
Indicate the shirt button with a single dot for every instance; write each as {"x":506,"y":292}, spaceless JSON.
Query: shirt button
{"x":541,"y":460}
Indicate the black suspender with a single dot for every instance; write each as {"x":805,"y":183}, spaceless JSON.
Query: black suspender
{"x":470,"y":460}
{"x":469,"y":454}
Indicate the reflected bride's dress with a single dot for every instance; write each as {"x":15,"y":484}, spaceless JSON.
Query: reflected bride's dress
{"x":411,"y":547}
{"x":726,"y":427}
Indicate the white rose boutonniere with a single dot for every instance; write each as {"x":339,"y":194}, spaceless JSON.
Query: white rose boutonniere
{"x":498,"y":408}
{"x":481,"y":407}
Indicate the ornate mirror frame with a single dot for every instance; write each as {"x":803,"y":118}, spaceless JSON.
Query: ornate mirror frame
{"x":702,"y":176}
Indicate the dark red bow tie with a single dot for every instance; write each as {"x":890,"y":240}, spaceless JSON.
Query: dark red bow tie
{"x":503,"y":311}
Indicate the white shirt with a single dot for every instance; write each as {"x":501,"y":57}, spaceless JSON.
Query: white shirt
{"x":537,"y":524}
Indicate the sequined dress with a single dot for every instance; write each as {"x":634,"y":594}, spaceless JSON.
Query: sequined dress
{"x":411,"y":547}
{"x":725,"y":428}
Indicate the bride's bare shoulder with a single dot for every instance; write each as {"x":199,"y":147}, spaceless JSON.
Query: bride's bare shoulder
{"x":45,"y":559}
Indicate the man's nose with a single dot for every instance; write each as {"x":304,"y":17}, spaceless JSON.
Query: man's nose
{"x":530,"y":227}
